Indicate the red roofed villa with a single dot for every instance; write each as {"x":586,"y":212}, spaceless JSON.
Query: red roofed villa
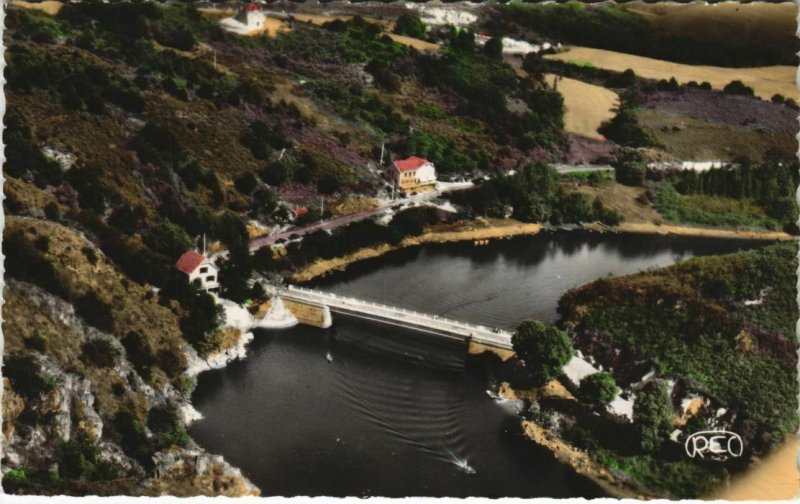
{"x":413,"y":174}
{"x":199,"y":268}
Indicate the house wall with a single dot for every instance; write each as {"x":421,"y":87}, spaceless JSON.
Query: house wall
{"x":205,"y":282}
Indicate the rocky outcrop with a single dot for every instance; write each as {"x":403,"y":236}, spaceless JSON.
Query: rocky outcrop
{"x":189,"y":472}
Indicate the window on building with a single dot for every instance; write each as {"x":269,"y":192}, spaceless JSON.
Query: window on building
{"x":210,"y":278}
{"x":204,"y":269}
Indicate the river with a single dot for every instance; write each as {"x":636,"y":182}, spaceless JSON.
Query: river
{"x":395,"y":413}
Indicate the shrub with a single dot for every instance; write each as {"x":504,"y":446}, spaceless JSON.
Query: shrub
{"x":25,"y":376}
{"x":598,"y":388}
{"x":652,"y":415}
{"x":99,"y":353}
{"x":544,"y":348}
{"x":738,"y":87}
{"x":95,"y":312}
{"x":246,"y":183}
{"x":410,"y":25}
{"x":328,"y":184}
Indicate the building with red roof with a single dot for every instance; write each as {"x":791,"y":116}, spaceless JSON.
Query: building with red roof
{"x":414,"y":174}
{"x":200,"y":269}
{"x":251,"y":15}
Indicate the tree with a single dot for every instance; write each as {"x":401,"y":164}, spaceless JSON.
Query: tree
{"x":598,"y":388}
{"x":629,"y":169}
{"x":410,"y":25}
{"x":652,"y":415}
{"x":494,"y":48}
{"x":738,"y":87}
{"x":543,"y":347}
{"x":328,"y":184}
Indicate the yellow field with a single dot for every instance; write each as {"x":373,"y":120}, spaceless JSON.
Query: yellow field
{"x":587,"y":106}
{"x":766,"y":81}
{"x":757,"y":23}
{"x":48,"y":7}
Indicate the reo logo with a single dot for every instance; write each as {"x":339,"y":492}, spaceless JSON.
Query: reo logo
{"x":714,"y":445}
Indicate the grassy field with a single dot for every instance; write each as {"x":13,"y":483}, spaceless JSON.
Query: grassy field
{"x":712,"y":210}
{"x":766,"y":81}
{"x":623,"y":199}
{"x":755,"y":23}
{"x":587,"y":106}
{"x":685,"y":137}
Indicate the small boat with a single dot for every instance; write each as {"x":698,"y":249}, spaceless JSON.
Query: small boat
{"x":329,"y":357}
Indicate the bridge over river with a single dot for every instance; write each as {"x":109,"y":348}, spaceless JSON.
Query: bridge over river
{"x":423,"y":322}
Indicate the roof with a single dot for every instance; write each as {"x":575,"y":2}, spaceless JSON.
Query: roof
{"x":189,"y":261}
{"x":410,"y":164}
{"x":252,"y":6}
{"x":300,"y":211}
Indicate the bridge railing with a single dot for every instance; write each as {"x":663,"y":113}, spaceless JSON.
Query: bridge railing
{"x":498,"y":334}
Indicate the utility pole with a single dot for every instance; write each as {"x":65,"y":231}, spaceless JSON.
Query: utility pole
{"x":382,"y":148}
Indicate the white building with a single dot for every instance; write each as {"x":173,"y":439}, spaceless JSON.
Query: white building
{"x":414,"y":174}
{"x":199,"y":267}
{"x":251,"y":16}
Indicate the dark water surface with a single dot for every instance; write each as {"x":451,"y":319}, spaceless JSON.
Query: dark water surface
{"x":396,"y":413}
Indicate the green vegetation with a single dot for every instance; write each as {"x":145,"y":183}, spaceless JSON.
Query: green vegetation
{"x":652,"y":415}
{"x":690,"y":320}
{"x":691,"y":323}
{"x":532,"y":195}
{"x":711,"y":210}
{"x":360,"y":234}
{"x":744,"y":194}
{"x":624,"y":127}
{"x":737,"y":87}
{"x":542,"y":347}
{"x":598,"y":388}
{"x":411,"y":26}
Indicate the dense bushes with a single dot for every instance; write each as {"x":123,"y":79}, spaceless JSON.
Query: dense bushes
{"x":624,"y":127}
{"x":534,"y":194}
{"x":544,"y":348}
{"x":770,"y":186}
{"x":365,"y":233}
{"x":25,"y":376}
{"x":685,"y":320}
{"x":410,"y":25}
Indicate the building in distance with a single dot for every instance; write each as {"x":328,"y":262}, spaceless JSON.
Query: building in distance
{"x":411,"y":175}
{"x":199,"y":268}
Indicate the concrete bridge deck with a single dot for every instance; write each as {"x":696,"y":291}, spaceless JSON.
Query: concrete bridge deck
{"x":484,"y":335}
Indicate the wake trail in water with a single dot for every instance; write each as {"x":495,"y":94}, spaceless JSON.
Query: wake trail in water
{"x":426,"y":418}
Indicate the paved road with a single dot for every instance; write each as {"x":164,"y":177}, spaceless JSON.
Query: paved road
{"x":347,"y":219}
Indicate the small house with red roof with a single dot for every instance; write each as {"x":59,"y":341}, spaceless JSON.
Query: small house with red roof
{"x":251,"y":15}
{"x":198,"y":267}
{"x":414,"y":174}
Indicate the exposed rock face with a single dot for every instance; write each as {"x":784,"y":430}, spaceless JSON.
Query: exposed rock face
{"x":187,"y":472}
{"x":13,"y":405}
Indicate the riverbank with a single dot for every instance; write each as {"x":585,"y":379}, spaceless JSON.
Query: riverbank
{"x":489,"y":229}
{"x":581,"y":462}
